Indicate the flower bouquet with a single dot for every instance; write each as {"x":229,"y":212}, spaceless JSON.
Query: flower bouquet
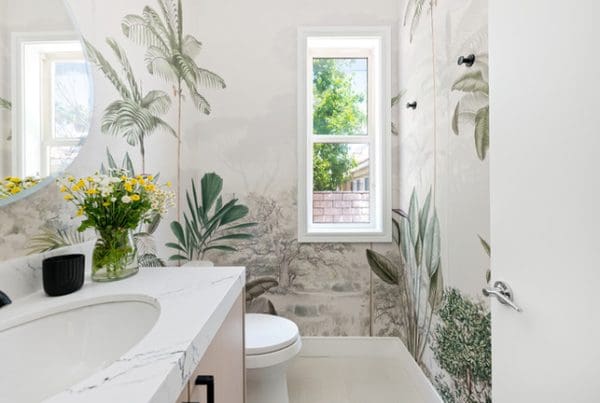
{"x":115,"y":206}
{"x":13,"y":185}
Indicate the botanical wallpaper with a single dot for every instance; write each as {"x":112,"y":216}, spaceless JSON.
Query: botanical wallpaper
{"x":445,"y":144}
{"x":190,"y":123}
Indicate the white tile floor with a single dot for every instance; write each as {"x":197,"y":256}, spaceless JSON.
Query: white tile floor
{"x":357,"y":370}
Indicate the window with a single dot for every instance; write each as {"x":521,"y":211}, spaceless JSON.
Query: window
{"x":53,"y":101}
{"x":343,"y":135}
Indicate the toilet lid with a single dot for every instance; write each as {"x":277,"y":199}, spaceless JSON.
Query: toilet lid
{"x":268,"y":333}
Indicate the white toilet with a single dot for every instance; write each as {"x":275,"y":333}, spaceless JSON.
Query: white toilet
{"x":271,"y":342}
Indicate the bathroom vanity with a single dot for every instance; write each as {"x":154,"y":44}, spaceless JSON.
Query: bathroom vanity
{"x":146,"y":339}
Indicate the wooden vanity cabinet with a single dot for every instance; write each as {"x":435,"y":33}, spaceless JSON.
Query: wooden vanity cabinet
{"x":224,"y":361}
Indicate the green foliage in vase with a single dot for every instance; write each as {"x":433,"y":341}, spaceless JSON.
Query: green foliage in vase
{"x":114,"y":251}
{"x":417,"y":272}
{"x":336,"y":111}
{"x":209,"y":224}
{"x":473,"y":85}
{"x":51,"y":239}
{"x":462,"y":348}
{"x":144,"y":234}
{"x":136,"y":115}
{"x":5,"y":104}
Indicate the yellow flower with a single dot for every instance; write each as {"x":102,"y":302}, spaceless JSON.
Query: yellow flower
{"x":141,"y":181}
{"x":63,"y":189}
{"x":90,"y":179}
{"x":80,"y":212}
{"x":169,"y":184}
{"x":80,"y":184}
{"x":128,"y":187}
{"x":123,"y":178}
{"x":10,"y":185}
{"x":150,"y":177}
{"x":92,"y":191}
{"x":15,"y":190}
{"x":14,"y":179}
{"x":71,"y":179}
{"x":135,"y":197}
{"x":69,"y":197}
{"x":150,"y":187}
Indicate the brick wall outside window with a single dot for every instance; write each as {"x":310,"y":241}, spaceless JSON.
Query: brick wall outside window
{"x":341,"y":207}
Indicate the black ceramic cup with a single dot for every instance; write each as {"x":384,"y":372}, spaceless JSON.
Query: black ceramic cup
{"x":63,"y":275}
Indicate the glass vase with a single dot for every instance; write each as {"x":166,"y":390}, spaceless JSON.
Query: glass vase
{"x":115,"y":256}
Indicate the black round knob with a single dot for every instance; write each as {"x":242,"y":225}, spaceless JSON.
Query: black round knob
{"x":466,"y":60}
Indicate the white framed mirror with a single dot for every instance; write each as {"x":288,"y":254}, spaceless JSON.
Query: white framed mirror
{"x":46,"y":95}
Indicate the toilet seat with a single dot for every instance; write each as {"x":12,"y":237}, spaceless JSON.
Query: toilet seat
{"x":268,"y":333}
{"x":270,"y":340}
{"x":273,"y":359}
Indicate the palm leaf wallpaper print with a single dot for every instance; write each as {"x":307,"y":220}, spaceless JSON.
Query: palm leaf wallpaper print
{"x":171,"y":54}
{"x":135,"y":115}
{"x":474,"y":107}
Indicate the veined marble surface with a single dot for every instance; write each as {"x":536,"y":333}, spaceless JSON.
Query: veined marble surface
{"x":22,"y":276}
{"x":193,"y":304}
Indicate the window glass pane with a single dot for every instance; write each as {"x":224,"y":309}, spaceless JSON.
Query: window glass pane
{"x":339,"y":172}
{"x":59,"y":157}
{"x":340,"y":89}
{"x":71,"y":99}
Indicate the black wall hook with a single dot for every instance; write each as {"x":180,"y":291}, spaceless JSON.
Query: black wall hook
{"x":411,"y":105}
{"x":467,"y":60}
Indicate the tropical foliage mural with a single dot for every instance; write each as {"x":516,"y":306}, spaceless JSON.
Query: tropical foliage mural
{"x":171,"y":55}
{"x":413,"y":13}
{"x":458,"y":358}
{"x":136,"y":115}
{"x":416,"y":272}
{"x":325,"y":288}
{"x":462,"y":348}
{"x":473,"y":107}
{"x":210,"y":222}
{"x":5,"y":104}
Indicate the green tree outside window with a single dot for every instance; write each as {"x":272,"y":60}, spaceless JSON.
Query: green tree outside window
{"x":336,"y":110}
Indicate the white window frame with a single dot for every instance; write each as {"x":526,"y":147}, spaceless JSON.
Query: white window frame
{"x":48,"y":135}
{"x":31,"y":152}
{"x":314,"y":42}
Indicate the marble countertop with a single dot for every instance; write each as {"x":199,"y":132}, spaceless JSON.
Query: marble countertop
{"x":193,"y":304}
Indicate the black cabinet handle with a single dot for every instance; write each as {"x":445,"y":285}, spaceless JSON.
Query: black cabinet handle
{"x":411,"y":105}
{"x":209,"y":382}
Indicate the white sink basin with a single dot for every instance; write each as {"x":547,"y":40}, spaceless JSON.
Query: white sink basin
{"x":52,"y":350}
